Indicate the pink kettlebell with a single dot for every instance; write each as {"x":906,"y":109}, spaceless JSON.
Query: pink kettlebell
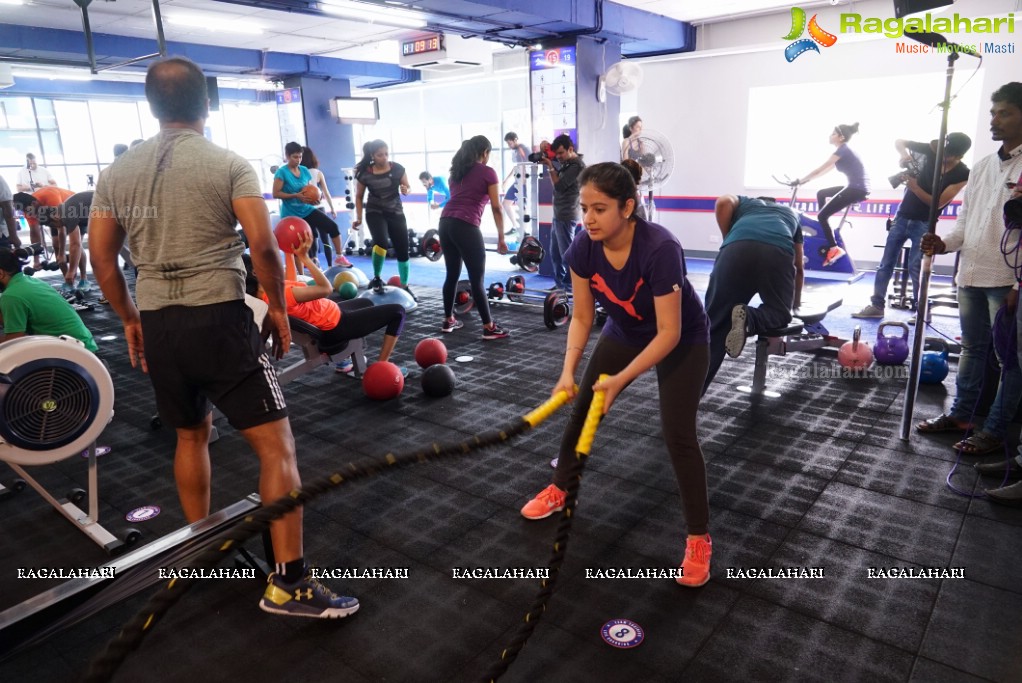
{"x":855,"y":354}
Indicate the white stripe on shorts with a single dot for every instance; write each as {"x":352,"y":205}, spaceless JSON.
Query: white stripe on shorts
{"x":271,"y":380}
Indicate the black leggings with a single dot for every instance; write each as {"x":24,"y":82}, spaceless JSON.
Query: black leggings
{"x":840,"y":198}
{"x":359,"y":317}
{"x":394,"y":225}
{"x":462,"y":242}
{"x":680,"y":378}
{"x":325,"y":227}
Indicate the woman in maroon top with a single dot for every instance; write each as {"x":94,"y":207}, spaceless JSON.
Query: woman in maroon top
{"x":473,"y":184}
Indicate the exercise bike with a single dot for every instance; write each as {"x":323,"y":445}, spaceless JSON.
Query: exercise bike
{"x":816,"y":246}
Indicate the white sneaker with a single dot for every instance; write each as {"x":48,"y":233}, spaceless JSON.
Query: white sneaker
{"x":735,"y":341}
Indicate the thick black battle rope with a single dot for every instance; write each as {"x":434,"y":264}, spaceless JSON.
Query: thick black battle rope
{"x":528,"y":624}
{"x":117,"y":650}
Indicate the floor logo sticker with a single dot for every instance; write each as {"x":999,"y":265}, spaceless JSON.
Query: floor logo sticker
{"x":143,"y":514}
{"x":622,"y":633}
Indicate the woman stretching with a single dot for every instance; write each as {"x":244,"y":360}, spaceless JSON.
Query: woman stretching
{"x":384,"y":214}
{"x":350,"y":319}
{"x":855,"y":190}
{"x":636,"y":270}
{"x":473,"y":184}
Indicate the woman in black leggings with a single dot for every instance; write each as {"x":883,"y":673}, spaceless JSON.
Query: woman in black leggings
{"x":636,"y":271}
{"x":385,"y":181}
{"x":855,"y":190}
{"x":473,"y":184}
{"x":348,"y":320}
{"x":288,"y":186}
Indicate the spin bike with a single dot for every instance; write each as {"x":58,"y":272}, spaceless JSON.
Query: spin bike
{"x":816,"y":245}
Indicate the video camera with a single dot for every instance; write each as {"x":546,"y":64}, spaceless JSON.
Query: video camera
{"x":537,"y":157}
{"x":912,"y":170}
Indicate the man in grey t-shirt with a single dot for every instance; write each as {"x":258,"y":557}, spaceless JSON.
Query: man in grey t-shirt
{"x":9,"y":224}
{"x":566,"y":204}
{"x":176,"y":198}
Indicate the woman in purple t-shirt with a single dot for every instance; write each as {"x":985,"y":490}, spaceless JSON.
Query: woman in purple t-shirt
{"x":473,"y":184}
{"x":855,"y":190}
{"x":636,"y":271}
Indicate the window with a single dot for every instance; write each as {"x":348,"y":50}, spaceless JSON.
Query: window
{"x":75,"y":131}
{"x":113,"y":123}
{"x":17,"y":113}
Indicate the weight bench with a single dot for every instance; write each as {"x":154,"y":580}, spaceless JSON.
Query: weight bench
{"x":805,"y":333}
{"x":308,"y":337}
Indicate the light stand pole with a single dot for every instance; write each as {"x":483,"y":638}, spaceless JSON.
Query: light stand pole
{"x":922,"y":304}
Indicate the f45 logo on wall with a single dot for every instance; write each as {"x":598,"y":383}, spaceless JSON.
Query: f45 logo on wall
{"x":798,"y":27}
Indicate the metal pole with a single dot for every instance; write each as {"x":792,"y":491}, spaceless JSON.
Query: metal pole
{"x":915,"y":366}
{"x":158,"y":20}
{"x":87,"y":29}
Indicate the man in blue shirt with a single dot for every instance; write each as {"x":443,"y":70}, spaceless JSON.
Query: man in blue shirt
{"x":435,"y":185}
{"x":761,"y":254}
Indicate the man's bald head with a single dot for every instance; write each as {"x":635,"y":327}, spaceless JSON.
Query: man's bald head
{"x":176,"y":90}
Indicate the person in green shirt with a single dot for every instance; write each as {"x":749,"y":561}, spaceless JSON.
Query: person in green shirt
{"x":30,"y":306}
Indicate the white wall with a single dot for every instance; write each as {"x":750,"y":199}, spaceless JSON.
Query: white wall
{"x":700,"y":102}
{"x":426,"y":122}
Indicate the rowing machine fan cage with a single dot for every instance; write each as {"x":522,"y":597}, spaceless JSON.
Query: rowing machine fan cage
{"x":56,"y":397}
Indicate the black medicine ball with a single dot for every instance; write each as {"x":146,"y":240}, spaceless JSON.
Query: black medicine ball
{"x":438,"y":381}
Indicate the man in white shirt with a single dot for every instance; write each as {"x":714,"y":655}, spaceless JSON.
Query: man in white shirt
{"x":33,"y":176}
{"x":985,"y":281}
{"x":8,"y":224}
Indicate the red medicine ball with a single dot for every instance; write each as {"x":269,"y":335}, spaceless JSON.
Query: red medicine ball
{"x":430,"y":352}
{"x":289,"y":233}
{"x":383,"y":381}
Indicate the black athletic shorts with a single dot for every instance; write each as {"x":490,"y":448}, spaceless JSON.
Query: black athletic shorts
{"x":213,"y":352}
{"x":74,"y":213}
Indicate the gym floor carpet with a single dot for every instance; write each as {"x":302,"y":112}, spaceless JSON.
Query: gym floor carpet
{"x":817,"y":478}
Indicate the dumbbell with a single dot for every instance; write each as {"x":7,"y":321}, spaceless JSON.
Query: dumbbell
{"x":463,"y":301}
{"x":45,"y":265}
{"x":495,"y":291}
{"x":556,"y":305}
{"x":429,"y":246}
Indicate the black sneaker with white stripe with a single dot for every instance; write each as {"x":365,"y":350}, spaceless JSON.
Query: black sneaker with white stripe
{"x":451,"y":324}
{"x":495,"y":332}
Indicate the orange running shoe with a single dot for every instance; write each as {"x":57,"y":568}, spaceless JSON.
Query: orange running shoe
{"x":550,"y":500}
{"x":695,"y":568}
{"x":833,"y":255}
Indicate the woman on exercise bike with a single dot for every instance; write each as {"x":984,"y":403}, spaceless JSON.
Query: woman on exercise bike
{"x":855,"y":190}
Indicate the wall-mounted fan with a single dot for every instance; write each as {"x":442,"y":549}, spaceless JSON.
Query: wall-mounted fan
{"x":269,"y":165}
{"x":620,"y":78}
{"x":56,"y":397}
{"x":654,"y":153}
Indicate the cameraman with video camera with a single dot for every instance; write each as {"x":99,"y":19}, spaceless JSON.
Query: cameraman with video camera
{"x":564,"y":177}
{"x":912,"y":219}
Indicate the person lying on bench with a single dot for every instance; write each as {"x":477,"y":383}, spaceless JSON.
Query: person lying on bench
{"x":339,"y":321}
{"x":761,"y":254}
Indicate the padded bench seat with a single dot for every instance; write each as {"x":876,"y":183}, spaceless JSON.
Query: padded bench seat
{"x":308,"y":337}
{"x":811,"y":334}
